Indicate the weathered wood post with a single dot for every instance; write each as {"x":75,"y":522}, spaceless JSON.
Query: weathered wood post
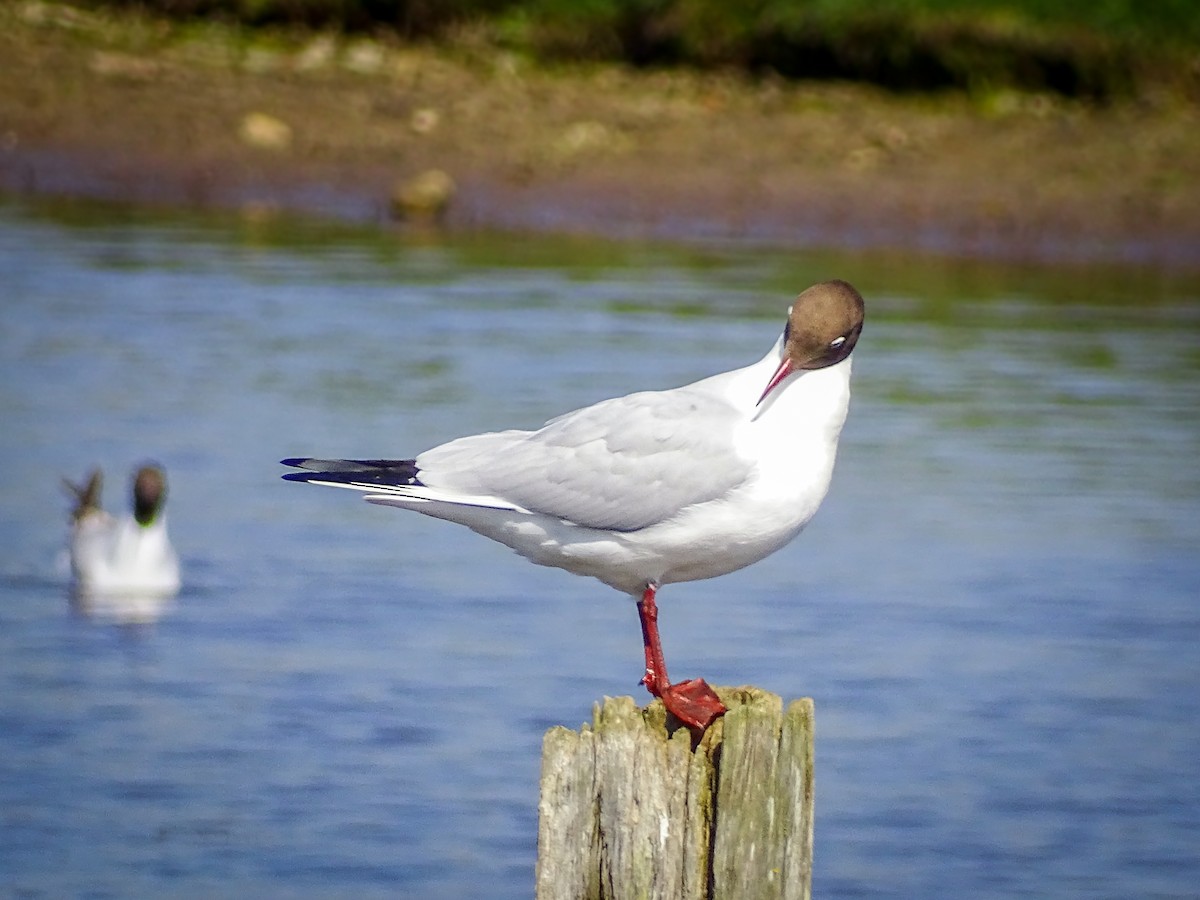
{"x":629,"y":810}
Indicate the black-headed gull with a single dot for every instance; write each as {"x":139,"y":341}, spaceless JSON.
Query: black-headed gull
{"x":655,"y":487}
{"x":129,"y":554}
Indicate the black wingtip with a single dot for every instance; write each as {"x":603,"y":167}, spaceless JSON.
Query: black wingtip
{"x":299,"y":476}
{"x":353,"y":471}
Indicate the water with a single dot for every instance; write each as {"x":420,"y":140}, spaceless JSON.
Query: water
{"x":995,"y":610}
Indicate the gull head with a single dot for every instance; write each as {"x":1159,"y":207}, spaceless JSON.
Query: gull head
{"x":149,"y":493}
{"x":822,"y":328}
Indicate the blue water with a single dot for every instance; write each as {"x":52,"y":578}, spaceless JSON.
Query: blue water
{"x":996,"y":610}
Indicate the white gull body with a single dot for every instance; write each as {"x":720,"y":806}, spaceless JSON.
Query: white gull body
{"x":659,"y":487}
{"x":655,"y":487}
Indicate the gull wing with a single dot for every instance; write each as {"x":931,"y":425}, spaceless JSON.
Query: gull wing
{"x":622,"y":464}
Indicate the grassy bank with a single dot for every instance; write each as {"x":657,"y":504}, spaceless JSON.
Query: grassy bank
{"x":136,"y":107}
{"x":1099,"y":51}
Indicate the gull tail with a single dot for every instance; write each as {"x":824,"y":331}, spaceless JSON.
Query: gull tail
{"x":388,"y":482}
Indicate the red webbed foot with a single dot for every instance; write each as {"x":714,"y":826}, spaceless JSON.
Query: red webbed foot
{"x":693,"y":703}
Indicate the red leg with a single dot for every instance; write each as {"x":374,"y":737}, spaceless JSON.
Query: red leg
{"x":655,"y":679}
{"x":692,"y":702}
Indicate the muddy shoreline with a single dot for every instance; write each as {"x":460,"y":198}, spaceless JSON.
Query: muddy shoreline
{"x":137,"y":110}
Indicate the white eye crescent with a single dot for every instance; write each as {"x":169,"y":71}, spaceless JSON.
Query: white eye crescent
{"x":837,"y":342}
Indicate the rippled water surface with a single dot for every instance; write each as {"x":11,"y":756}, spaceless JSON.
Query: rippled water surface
{"x":997,"y":610}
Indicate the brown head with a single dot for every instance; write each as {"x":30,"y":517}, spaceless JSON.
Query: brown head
{"x":149,"y":493}
{"x":822,"y":328}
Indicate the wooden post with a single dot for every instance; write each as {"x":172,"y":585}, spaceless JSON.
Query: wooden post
{"x":628,"y":810}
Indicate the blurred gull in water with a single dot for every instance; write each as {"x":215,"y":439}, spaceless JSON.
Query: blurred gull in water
{"x":122,"y":566}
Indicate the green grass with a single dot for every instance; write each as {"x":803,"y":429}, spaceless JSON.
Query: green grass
{"x":1093,"y":49}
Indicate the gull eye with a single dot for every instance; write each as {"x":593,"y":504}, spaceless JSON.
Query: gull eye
{"x":787,"y":331}
{"x":837,"y":342}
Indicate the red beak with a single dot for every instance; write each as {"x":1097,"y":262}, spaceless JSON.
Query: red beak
{"x":784,"y":370}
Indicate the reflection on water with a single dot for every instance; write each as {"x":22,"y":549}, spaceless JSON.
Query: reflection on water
{"x":120,"y":608}
{"x":995,"y":610}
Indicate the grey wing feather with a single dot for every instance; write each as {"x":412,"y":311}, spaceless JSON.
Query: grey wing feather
{"x":623,"y":464}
